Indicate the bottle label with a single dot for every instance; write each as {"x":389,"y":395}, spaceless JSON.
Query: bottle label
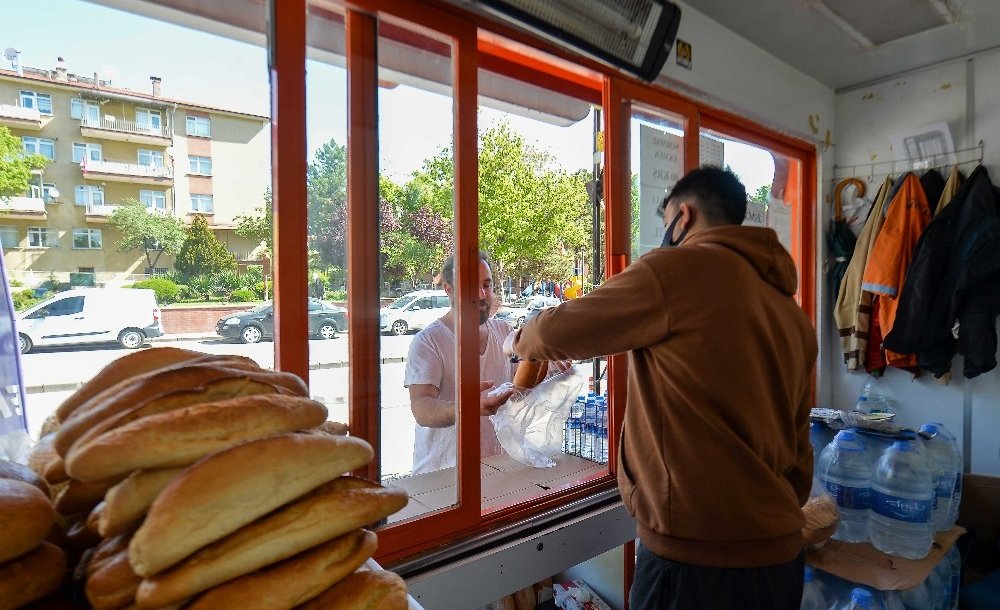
{"x":850,"y":497}
{"x":908,"y":510}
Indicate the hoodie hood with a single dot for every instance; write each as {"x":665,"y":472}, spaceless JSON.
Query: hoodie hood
{"x":760,"y":247}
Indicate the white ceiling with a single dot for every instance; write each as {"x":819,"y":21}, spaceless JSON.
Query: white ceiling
{"x":798,"y":33}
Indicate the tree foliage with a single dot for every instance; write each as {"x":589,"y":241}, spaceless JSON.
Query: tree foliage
{"x":258,"y":227}
{"x":151,"y":232}
{"x":202,"y":254}
{"x":15,"y":166}
{"x":327,"y":214}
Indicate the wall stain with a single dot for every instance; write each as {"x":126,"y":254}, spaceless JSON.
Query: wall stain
{"x":827,"y":140}
{"x":814,"y":123}
{"x":868,"y":96}
{"x":946,"y":86}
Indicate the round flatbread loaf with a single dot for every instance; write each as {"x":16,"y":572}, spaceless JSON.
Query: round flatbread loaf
{"x":20,"y":472}
{"x":31,"y":576}
{"x":26,"y":518}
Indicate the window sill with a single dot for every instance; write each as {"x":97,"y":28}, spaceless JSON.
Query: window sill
{"x":191,"y":135}
{"x":199,"y":175}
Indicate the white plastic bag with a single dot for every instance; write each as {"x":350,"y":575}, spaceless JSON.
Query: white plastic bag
{"x":530,"y":424}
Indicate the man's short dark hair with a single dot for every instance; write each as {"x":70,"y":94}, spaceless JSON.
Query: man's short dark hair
{"x":448,"y":269}
{"x":716,"y":192}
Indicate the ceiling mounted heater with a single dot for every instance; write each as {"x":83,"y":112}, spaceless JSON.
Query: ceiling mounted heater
{"x":634,"y":35}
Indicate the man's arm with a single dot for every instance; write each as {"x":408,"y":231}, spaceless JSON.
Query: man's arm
{"x":432,"y":412}
{"x":801,"y":474}
{"x":626,"y":312}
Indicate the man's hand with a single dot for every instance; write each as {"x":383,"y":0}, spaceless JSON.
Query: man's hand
{"x":561,"y":365}
{"x":488,"y":405}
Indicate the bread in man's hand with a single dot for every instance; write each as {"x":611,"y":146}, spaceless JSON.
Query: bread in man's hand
{"x":340,"y":506}
{"x":227,"y":490}
{"x":184,"y":436}
{"x":20,"y":472}
{"x":293,"y":581}
{"x":126,"y":503}
{"x":31,"y":576}
{"x":363,"y":590}
{"x":26,"y":518}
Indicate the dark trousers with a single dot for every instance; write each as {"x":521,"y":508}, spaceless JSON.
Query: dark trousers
{"x":662,"y":584}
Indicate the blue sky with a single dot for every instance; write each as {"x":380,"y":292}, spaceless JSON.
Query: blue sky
{"x":216,"y":71}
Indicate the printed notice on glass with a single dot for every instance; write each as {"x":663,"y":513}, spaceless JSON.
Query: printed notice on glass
{"x":779,"y":218}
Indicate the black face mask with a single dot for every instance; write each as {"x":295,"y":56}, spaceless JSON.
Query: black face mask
{"x":668,"y":233}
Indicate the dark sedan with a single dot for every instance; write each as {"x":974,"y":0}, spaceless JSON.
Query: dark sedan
{"x":325,"y":321}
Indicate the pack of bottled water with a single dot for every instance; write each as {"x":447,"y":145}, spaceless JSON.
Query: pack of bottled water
{"x":894,"y":493}
{"x":586,"y":431}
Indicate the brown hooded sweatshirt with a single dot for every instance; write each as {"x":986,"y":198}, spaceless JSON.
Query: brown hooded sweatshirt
{"x":715,"y":459}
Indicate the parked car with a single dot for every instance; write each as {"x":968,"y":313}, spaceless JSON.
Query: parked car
{"x":325,"y":321}
{"x":521,"y":310}
{"x":413,"y":311}
{"x":91,"y":315}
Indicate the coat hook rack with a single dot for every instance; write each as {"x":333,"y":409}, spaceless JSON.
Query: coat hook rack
{"x":846,"y":171}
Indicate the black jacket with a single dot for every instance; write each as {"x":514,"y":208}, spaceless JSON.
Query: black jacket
{"x":954,"y":275}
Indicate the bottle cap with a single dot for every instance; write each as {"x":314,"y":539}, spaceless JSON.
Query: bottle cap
{"x":929,"y":429}
{"x":862,"y":597}
{"x":809,"y":574}
{"x":861,"y":398}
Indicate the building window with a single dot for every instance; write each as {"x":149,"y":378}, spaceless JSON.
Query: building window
{"x":200,"y":165}
{"x":87,"y":194}
{"x":42,"y":237}
{"x":199,"y":126}
{"x":89,"y":112}
{"x":152,"y":158}
{"x":46,"y":194}
{"x":8,"y":237}
{"x":202,"y":203}
{"x":86,"y":239}
{"x":153,"y":199}
{"x":159,"y":271}
{"x":39,"y":146}
{"x":40,"y":101}
{"x":149,"y":119}
{"x":86,"y":150}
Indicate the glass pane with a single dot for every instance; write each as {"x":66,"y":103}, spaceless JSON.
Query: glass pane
{"x":416,"y":234}
{"x":773,"y":182}
{"x":197,"y":77}
{"x":657,"y":163}
{"x":537,"y":224}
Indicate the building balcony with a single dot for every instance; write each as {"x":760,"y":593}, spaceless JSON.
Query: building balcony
{"x":122,"y":171}
{"x":113,"y":128}
{"x":32,"y":208}
{"x":99,"y":212}
{"x":20,"y":118}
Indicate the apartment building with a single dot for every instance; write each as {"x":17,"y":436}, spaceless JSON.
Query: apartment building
{"x":109,"y":144}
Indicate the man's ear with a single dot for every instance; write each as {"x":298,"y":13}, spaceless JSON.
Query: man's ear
{"x":448,"y":288}
{"x":688,"y":215}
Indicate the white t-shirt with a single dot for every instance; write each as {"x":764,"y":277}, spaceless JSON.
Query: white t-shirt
{"x":432,"y":361}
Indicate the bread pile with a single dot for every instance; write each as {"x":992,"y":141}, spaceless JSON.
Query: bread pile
{"x":30,"y":567}
{"x":195,"y":481}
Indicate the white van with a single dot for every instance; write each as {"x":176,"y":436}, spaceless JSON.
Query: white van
{"x":91,"y":315}
{"x":413,"y":311}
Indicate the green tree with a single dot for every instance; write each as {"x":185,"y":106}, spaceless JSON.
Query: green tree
{"x":153,"y":233}
{"x":15,"y":166}
{"x":327,"y":214}
{"x":762,"y":195}
{"x":533,"y":216}
{"x":259,"y":226}
{"x":202,"y":254}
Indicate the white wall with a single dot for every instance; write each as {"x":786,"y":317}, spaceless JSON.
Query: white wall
{"x":963,"y":95}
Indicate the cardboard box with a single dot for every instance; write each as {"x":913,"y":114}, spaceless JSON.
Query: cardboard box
{"x":864,"y":564}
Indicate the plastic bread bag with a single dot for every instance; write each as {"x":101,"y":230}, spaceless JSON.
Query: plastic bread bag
{"x":530,"y":424}
{"x":15,"y":444}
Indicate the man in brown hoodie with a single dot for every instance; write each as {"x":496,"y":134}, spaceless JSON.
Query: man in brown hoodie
{"x":715,"y":460}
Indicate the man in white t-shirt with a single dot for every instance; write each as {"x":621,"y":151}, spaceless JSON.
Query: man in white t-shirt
{"x":430,"y":377}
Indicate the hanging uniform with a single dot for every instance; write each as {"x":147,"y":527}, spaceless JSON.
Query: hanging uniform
{"x":885,"y":272}
{"x":854,"y":306}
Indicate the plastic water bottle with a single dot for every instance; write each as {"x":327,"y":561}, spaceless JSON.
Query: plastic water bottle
{"x":876,"y":396}
{"x":573,"y":426}
{"x":944,"y":464}
{"x":902,"y":498}
{"x":814,"y":594}
{"x":957,"y":451}
{"x":577,"y":409}
{"x":861,"y":599}
{"x":954,"y":560}
{"x":845,"y":472}
{"x":602,"y":432}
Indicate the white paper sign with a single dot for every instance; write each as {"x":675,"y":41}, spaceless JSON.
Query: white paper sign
{"x":779,"y":218}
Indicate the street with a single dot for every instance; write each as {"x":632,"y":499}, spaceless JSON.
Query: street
{"x":50,"y":376}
